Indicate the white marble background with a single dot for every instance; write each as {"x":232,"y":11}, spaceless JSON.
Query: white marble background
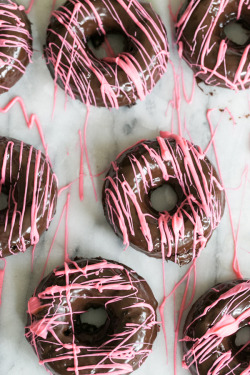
{"x":109,"y":132}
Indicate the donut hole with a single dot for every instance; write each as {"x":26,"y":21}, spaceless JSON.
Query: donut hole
{"x":237,"y":33}
{"x":92,"y":326}
{"x":164,"y":198}
{"x":110,"y":45}
{"x":94,"y":318}
{"x":242,"y":336}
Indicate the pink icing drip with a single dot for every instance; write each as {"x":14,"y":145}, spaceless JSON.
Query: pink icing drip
{"x":54,"y":238}
{"x":28,"y":10}
{"x":2,"y":272}
{"x":50,"y":322}
{"x":86,"y":151}
{"x":81,"y":173}
{"x":66,"y":255}
{"x":236,"y":267}
{"x":33,"y":120}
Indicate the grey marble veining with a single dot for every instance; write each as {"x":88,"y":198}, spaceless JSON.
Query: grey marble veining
{"x":108,"y":133}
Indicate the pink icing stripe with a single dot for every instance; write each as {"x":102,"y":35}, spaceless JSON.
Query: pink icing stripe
{"x":81,"y":173}
{"x":2,"y":272}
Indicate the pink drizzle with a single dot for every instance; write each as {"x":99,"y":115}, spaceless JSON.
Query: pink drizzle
{"x":236,"y":267}
{"x":2,"y":272}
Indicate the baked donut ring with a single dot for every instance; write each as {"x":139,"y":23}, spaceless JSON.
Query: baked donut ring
{"x":31,"y":188}
{"x":111,"y":81}
{"x":211,"y":327}
{"x":65,"y":345}
{"x":202,"y":42}
{"x":15,"y":43}
{"x":178,"y":235}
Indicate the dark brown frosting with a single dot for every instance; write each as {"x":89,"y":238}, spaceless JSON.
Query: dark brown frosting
{"x":31,"y":189}
{"x":178,"y":235}
{"x":65,"y":345}
{"x":15,"y":44}
{"x":111,"y":81}
{"x":204,"y":45}
{"x":211,"y":327}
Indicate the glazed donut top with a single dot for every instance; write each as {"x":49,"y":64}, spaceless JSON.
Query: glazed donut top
{"x":111,"y":81}
{"x":31,"y":189}
{"x":65,"y":346}
{"x":204,"y":45}
{"x":178,"y":235}
{"x":211,"y":327}
{"x":15,"y":43}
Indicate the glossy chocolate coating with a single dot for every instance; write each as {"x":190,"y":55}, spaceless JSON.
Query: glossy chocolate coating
{"x":19,"y":174}
{"x":14,"y":57}
{"x":195,"y":34}
{"x":198,"y":324}
{"x":130,"y":305}
{"x":121,"y":170}
{"x":150,"y":59}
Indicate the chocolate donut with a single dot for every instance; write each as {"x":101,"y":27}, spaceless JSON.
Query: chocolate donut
{"x":31,"y":188}
{"x":211,"y":327}
{"x":15,"y":43}
{"x":178,"y":235}
{"x":202,"y":42}
{"x":111,"y":81}
{"x":65,"y":345}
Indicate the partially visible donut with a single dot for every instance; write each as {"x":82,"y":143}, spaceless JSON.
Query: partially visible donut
{"x":181,"y":234}
{"x":202,"y":42}
{"x":211,"y":327}
{"x":31,"y":188}
{"x":111,"y":81}
{"x":65,"y":345}
{"x":15,"y":43}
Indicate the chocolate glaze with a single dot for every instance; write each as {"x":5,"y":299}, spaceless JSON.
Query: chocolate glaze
{"x":111,"y":81}
{"x":65,"y":346}
{"x":178,"y":235}
{"x":31,"y":189}
{"x":211,"y":327}
{"x":15,"y":43}
{"x":204,"y":45}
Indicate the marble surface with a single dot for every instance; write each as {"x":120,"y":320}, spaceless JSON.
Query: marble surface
{"x":108,"y":133}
